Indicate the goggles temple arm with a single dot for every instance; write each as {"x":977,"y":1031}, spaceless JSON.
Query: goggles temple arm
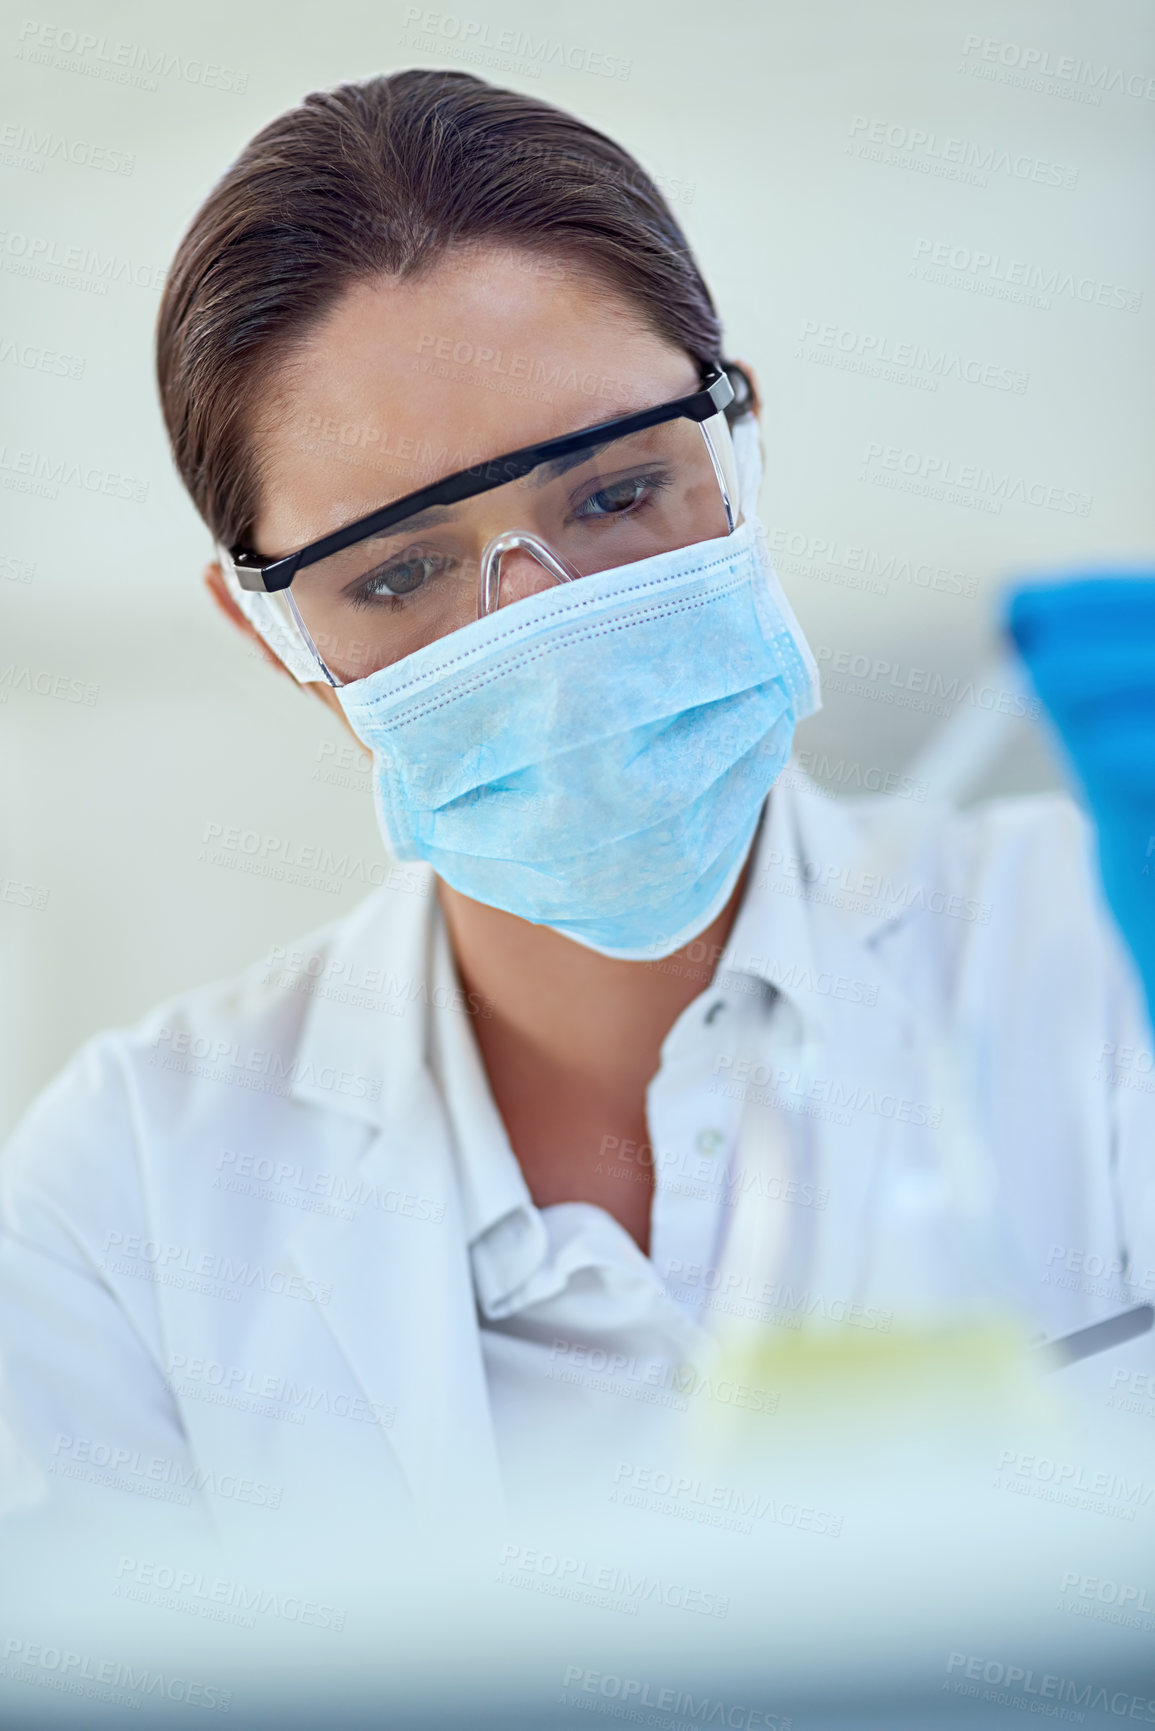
{"x":720,"y":477}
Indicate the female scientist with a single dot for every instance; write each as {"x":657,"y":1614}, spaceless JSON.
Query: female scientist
{"x":461,"y":1190}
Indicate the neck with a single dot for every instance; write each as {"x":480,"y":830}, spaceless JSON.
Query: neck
{"x":566,"y":1010}
{"x":570,"y":1046}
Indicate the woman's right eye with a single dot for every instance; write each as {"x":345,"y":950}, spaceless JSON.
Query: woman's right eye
{"x":397,"y":577}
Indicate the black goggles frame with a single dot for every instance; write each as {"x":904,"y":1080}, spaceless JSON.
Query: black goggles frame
{"x":270,"y":576}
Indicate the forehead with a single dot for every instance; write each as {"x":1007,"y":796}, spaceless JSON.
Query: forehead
{"x":404,"y":382}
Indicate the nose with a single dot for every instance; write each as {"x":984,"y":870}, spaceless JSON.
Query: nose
{"x":517,"y":565}
{"x":520,"y":575}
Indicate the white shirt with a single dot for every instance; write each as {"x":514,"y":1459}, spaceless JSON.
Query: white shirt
{"x":234,"y":1239}
{"x":593,"y":1351}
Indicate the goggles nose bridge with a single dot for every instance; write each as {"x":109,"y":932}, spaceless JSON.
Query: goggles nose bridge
{"x":516,"y":540}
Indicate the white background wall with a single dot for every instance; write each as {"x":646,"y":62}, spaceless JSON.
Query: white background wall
{"x":758,"y":115}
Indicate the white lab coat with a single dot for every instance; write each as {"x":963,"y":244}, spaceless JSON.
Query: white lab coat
{"x":900,"y":932}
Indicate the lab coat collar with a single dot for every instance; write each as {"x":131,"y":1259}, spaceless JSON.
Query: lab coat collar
{"x":823,"y":886}
{"x":370,"y":983}
{"x":385,"y":1008}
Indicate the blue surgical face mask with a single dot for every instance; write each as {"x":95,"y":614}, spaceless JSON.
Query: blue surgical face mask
{"x":595,"y":758}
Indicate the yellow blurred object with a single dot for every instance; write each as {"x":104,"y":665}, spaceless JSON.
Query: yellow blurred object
{"x":830,"y":1387}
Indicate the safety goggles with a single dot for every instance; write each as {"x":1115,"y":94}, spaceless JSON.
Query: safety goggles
{"x":371,"y":593}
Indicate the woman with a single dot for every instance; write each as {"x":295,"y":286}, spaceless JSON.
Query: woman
{"x":460,"y":1195}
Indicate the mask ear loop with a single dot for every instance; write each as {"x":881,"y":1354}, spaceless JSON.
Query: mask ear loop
{"x":489,"y":590}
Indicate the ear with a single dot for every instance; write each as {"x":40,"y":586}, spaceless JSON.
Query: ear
{"x":214,"y":582}
{"x":753,"y":378}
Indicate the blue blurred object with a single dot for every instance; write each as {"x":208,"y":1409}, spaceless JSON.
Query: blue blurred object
{"x":1088,"y":643}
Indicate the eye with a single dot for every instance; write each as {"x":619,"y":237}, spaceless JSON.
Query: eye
{"x":620,"y":497}
{"x":401,"y":576}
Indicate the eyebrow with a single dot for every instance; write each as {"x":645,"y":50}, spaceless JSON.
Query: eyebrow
{"x":558,"y":466}
{"x":714,"y":394}
{"x":539,"y":476}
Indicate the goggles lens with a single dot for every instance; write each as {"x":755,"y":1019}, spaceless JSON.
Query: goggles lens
{"x":625,"y":499}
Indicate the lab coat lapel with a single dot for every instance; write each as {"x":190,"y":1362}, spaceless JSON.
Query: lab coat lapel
{"x":887,"y":1068}
{"x":854,"y":1046}
{"x":402,"y":1310}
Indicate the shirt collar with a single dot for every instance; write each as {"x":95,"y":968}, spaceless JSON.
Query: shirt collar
{"x":492,"y":1183}
{"x":521,"y":1255}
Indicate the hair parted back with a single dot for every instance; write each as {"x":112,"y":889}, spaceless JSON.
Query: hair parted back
{"x":376,"y":178}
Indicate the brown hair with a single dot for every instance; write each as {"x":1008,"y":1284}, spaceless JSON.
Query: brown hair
{"x":380,"y":178}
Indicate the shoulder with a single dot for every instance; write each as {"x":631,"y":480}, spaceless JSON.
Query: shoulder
{"x":1001,"y":840}
{"x":989,"y":887}
{"x":1019,"y":869}
{"x":243,"y":1061}
{"x":1002,"y":834}
{"x":1026,"y":860}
